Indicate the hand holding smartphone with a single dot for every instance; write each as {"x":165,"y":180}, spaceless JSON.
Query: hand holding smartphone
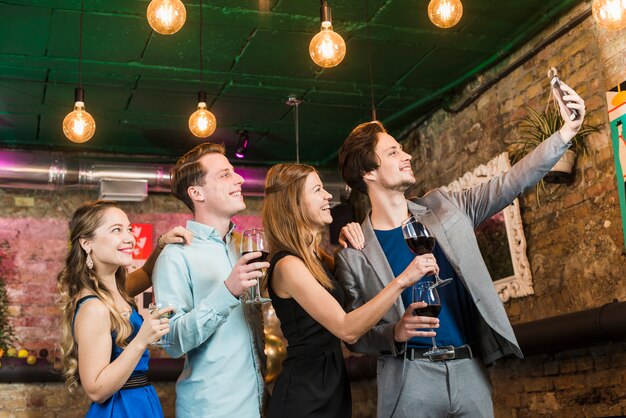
{"x":556,"y":85}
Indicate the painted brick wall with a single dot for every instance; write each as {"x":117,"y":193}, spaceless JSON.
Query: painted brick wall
{"x":33,"y":244}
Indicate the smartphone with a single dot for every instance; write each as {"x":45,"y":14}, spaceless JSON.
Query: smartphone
{"x":556,"y":84}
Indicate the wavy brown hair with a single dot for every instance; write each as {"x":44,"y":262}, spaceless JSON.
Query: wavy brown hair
{"x":357,"y":155}
{"x":287,"y":226}
{"x":76,"y":277}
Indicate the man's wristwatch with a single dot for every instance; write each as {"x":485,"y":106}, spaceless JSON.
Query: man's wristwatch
{"x":160,"y":244}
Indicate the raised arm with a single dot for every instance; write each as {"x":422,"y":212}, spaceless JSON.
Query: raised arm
{"x":291,"y":278}
{"x":488,"y":198}
{"x":140,"y":279}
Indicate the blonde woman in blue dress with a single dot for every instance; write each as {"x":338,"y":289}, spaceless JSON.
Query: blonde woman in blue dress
{"x":104,"y":342}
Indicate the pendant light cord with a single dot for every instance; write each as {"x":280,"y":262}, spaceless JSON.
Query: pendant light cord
{"x":369,"y":59}
{"x":80,"y":45}
{"x":296,"y":123}
{"x":201,"y":54}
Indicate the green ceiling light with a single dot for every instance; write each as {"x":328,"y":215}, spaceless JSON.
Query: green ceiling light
{"x":79,"y":126}
{"x":166,"y":16}
{"x":202,"y":123}
{"x":445,"y":13}
{"x":610,"y":14}
{"x":327,"y":48}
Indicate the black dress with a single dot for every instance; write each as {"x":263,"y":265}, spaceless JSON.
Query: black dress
{"x":314,"y":380}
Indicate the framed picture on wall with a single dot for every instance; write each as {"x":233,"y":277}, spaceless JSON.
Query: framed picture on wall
{"x":616,"y":102}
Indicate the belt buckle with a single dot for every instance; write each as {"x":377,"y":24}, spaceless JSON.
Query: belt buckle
{"x":442,"y":353}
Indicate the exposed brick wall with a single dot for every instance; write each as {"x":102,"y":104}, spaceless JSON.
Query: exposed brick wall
{"x":33,"y":244}
{"x":575,"y":243}
{"x":34,"y":400}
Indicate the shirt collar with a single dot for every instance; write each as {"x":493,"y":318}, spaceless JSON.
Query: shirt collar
{"x":207,"y":232}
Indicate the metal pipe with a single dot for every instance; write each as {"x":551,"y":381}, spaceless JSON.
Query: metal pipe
{"x":575,"y":330}
{"x":54,"y":171}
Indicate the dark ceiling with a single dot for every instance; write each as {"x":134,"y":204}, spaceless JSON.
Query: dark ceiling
{"x":141,"y":86}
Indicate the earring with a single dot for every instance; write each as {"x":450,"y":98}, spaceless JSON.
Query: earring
{"x":89,"y":261}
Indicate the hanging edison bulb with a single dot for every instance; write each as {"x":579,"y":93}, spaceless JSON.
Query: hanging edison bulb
{"x":79,"y":126}
{"x":202,"y":123}
{"x":445,"y":13}
{"x":327,"y":48}
{"x":610,"y":14}
{"x":166,"y":16}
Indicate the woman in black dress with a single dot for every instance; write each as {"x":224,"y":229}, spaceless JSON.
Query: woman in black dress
{"x":308,"y":300}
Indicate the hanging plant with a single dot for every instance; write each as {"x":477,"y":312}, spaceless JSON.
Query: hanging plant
{"x":537,"y":127}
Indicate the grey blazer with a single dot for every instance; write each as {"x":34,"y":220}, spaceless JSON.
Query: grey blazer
{"x":452,"y":218}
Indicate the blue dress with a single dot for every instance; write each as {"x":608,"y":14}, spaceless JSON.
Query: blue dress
{"x":139,"y":402}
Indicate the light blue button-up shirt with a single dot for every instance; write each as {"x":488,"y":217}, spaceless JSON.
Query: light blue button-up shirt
{"x":221,"y":377}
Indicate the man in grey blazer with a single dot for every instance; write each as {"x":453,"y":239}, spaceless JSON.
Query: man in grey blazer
{"x":473,"y":319}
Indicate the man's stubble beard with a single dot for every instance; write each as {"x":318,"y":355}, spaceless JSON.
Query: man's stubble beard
{"x":401,"y":187}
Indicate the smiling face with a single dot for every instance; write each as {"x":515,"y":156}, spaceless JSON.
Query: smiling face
{"x":395,"y":171}
{"x":220,"y":195}
{"x":112,"y":243}
{"x":316,"y":200}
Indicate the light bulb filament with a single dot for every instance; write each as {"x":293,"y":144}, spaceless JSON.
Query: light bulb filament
{"x":445,"y":10}
{"x":79,"y":125}
{"x":165,"y":14}
{"x":612,"y":10}
{"x":327,"y":49}
{"x":203,"y":123}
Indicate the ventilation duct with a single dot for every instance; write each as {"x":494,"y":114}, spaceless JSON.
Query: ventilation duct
{"x":119,"y":180}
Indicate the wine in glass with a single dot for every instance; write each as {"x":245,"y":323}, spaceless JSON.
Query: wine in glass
{"x":420,"y":241}
{"x":153,"y":309}
{"x":426,"y":291}
{"x":253,"y":240}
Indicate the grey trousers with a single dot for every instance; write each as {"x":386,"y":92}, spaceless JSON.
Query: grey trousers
{"x":454,"y":388}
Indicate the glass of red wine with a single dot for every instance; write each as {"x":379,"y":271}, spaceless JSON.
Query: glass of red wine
{"x":251,"y":241}
{"x":425,"y":291}
{"x":421,"y":242}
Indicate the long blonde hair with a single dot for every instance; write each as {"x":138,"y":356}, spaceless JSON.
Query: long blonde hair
{"x":287,"y":226}
{"x":76,"y":277}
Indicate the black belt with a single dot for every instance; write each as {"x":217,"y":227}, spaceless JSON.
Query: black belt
{"x":464,"y":351}
{"x":137,"y":381}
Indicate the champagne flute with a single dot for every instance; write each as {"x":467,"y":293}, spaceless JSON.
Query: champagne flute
{"x":153,"y":309}
{"x":253,"y":240}
{"x":426,"y":291}
{"x":420,"y":241}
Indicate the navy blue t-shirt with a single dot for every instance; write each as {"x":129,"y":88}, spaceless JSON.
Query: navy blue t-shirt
{"x":457,"y":308}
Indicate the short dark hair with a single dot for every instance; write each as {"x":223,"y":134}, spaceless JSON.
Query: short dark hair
{"x":357,"y":155}
{"x":189,"y":172}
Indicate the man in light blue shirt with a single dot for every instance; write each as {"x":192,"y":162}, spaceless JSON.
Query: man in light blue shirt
{"x":221,"y":337}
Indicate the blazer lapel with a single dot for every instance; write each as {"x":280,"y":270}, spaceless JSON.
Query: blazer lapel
{"x":377,"y":259}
